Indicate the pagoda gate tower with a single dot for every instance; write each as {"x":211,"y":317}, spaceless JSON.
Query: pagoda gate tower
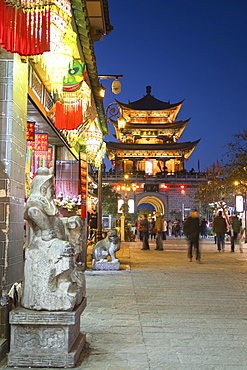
{"x":148,"y":161}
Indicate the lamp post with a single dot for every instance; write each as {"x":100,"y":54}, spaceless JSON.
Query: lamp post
{"x":244,"y":205}
{"x":99,"y":220}
{"x":116,"y":89}
{"x":112,"y":111}
{"x":116,"y":84}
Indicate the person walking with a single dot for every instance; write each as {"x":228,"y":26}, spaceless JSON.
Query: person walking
{"x":204,"y":225}
{"x":144,"y":225}
{"x":158,"y":231}
{"x":169,"y":228}
{"x":192,"y":229}
{"x":177,"y":228}
{"x":236,"y":226}
{"x":220,"y":228}
{"x":164,"y":229}
{"x":139,"y":227}
{"x":152,"y":228}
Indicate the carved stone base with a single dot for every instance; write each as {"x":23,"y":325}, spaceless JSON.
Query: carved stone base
{"x":46,"y":338}
{"x":105,"y":265}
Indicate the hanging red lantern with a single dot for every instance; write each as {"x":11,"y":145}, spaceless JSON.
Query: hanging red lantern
{"x":68,"y":120}
{"x":25,"y":26}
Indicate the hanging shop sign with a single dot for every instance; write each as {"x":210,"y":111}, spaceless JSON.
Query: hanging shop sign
{"x":30,"y":131}
{"x":39,"y":153}
{"x":38,"y":158}
{"x":83,"y":181}
{"x":41,"y":142}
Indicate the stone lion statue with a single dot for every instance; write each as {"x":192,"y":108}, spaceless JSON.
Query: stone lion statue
{"x":107,"y":247}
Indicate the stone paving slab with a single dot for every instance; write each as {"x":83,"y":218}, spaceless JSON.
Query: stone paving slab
{"x":162,"y":312}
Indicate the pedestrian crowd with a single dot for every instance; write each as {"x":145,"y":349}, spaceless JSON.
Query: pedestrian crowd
{"x":157,"y":228}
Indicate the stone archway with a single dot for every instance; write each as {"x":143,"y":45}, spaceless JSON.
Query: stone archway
{"x":154,"y":201}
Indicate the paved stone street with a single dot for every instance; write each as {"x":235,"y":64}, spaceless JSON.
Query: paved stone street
{"x":162,"y":312}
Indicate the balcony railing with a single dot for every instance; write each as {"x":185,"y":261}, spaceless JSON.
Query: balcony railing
{"x":141,"y":176}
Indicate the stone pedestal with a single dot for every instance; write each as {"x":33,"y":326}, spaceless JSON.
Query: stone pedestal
{"x":105,"y":265}
{"x":4,"y":330}
{"x":46,"y":338}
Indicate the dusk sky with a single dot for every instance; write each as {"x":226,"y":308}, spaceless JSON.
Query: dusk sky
{"x":194,"y":50}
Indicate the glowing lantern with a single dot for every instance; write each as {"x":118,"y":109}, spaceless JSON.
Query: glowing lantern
{"x":62,"y":46}
{"x":75,"y":89}
{"x":58,"y":61}
{"x":93,"y":138}
{"x":121,"y":123}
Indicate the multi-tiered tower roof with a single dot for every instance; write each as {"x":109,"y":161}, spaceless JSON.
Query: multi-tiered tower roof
{"x":148,"y":141}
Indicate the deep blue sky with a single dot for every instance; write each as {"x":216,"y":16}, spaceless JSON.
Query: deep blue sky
{"x":185,"y":49}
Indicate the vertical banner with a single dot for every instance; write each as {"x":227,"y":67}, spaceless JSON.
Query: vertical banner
{"x":39,"y":154}
{"x":83,"y":182}
{"x":50,"y":156}
{"x":30,"y":131}
{"x":41,"y":142}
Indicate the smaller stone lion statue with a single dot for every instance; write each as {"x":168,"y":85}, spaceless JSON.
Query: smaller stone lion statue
{"x":107,"y":247}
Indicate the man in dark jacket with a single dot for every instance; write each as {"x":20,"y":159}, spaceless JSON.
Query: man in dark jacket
{"x":144,"y":225}
{"x":192,"y":229}
{"x":220,"y":228}
{"x":236,"y":225}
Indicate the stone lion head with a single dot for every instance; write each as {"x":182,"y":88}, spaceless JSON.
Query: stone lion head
{"x":112,"y":235}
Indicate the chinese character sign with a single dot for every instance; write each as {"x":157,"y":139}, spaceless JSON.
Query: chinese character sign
{"x":30,"y":131}
{"x":83,"y":180}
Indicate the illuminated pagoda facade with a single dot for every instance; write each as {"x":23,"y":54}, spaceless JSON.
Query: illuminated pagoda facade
{"x":148,"y":160}
{"x":148,"y":132}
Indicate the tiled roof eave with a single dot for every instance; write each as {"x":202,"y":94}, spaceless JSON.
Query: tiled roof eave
{"x":165,"y":146}
{"x":151,"y":104}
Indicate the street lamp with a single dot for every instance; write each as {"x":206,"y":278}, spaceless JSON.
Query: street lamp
{"x":116,"y":89}
{"x":121,"y":123}
{"x":102,"y":90}
{"x":116,"y":86}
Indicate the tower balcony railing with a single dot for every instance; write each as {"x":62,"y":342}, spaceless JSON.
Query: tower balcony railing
{"x":141,"y":176}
